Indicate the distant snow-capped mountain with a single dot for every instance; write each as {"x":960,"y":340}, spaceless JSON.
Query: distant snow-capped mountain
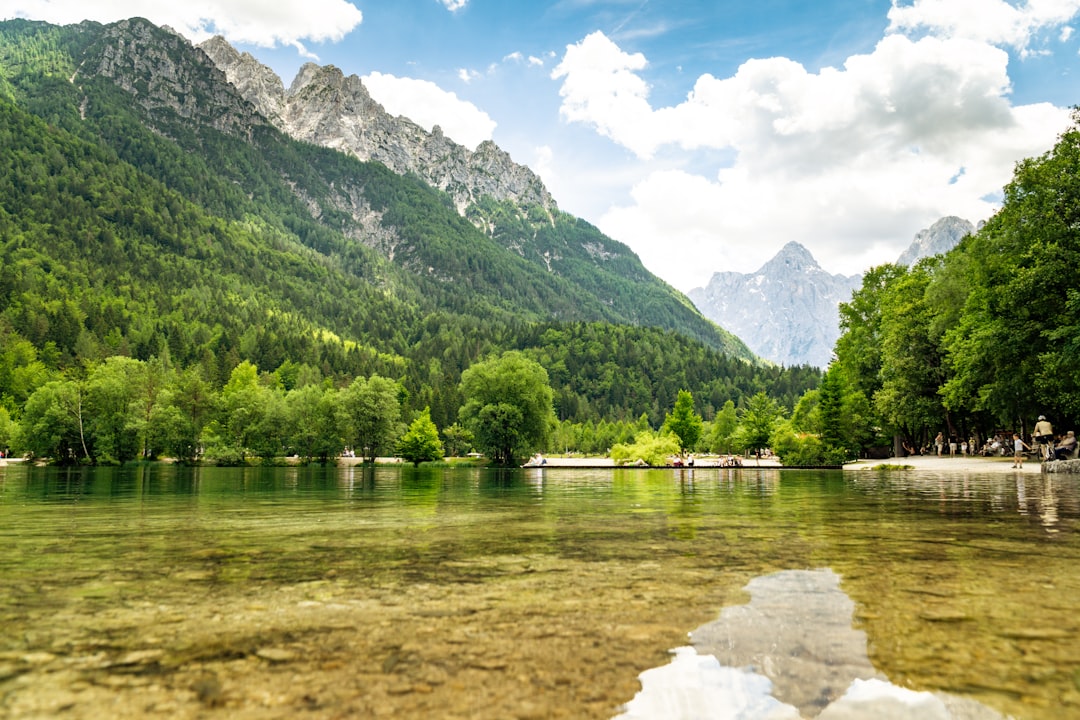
{"x":786,"y":312}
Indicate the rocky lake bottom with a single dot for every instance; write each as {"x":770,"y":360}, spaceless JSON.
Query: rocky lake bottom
{"x":327,"y":593}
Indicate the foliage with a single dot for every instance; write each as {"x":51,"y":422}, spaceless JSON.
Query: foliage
{"x":421,"y":442}
{"x":648,"y":447}
{"x":373,"y":415}
{"x":315,"y":414}
{"x":758,"y":421}
{"x":684,"y":423}
{"x":7,"y":429}
{"x":620,"y":372}
{"x":112,"y":389}
{"x":457,"y":441}
{"x":721,"y":434}
{"x":803,"y":449}
{"x":53,"y":422}
{"x":985,"y":336}
{"x":507,"y":406}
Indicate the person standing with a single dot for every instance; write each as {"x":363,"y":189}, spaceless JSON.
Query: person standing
{"x":939,"y":441}
{"x":1043,"y":435}
{"x":1018,"y":451}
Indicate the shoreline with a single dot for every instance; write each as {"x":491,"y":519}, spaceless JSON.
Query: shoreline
{"x":951,"y":464}
{"x":930,"y":463}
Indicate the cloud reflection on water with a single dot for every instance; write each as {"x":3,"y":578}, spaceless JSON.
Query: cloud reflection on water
{"x":790,"y":653}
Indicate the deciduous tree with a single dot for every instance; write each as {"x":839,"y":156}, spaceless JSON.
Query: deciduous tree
{"x":508,"y":406}
{"x":373,"y":415}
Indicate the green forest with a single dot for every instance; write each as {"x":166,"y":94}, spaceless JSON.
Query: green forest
{"x":984,"y":339}
{"x":178,"y":278}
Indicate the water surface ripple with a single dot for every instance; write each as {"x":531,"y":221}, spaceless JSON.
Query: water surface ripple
{"x":356,"y":592}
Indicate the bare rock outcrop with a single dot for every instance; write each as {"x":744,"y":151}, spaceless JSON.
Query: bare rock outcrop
{"x":787,"y":311}
{"x":325,"y":107}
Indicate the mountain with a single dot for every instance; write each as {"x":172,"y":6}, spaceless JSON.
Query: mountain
{"x":324,"y":107}
{"x":529,"y":259}
{"x":786,"y":311}
{"x":939,"y":238}
{"x":148,"y":208}
{"x":505,"y":201}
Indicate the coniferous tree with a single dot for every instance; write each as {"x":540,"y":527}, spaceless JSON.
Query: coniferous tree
{"x":421,"y":441}
{"x":684,"y":422}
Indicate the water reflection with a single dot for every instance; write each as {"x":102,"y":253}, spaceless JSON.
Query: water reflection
{"x":433,"y":592}
{"x":1043,"y":498}
{"x":790,"y":653}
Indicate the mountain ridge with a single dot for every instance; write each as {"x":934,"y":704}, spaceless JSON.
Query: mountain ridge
{"x":941,"y":237}
{"x":325,"y":106}
{"x":149,"y":210}
{"x":786,"y":311}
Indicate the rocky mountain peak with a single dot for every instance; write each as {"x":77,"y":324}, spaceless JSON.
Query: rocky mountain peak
{"x":326,"y":107}
{"x":152,"y":64}
{"x":792,"y":258}
{"x":941,"y":237}
{"x":257,"y":83}
{"x":787,"y":311}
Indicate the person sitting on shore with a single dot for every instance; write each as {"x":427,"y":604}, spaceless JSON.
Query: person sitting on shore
{"x":1067,"y":447}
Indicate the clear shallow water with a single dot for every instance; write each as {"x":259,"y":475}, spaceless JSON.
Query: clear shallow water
{"x":528,"y":593}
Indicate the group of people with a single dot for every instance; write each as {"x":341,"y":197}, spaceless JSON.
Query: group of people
{"x":1043,"y":437}
{"x":952,"y":446}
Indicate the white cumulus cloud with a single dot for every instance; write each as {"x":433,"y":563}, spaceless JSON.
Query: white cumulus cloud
{"x":850,"y":161}
{"x":252,"y":22}
{"x":995,"y":22}
{"x":426,"y":104}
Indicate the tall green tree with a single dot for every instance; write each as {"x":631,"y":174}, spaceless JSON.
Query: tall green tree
{"x":684,"y":422}
{"x":912,"y":369}
{"x":372,"y":413}
{"x":831,"y":409}
{"x":243,"y":405}
{"x":457,"y":440}
{"x":758,"y":421}
{"x":53,"y":422}
{"x":7,"y":429}
{"x":192,"y":403}
{"x":113,"y":388}
{"x":421,"y":443}
{"x":508,"y":406}
{"x":1014,"y":352}
{"x":315,"y":417}
{"x":858,"y":349}
{"x":723,"y":428}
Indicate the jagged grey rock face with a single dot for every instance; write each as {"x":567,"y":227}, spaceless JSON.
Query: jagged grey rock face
{"x":787,"y":312}
{"x":154,"y":67}
{"x":941,"y":237}
{"x":256,"y":83}
{"x":327,"y":108}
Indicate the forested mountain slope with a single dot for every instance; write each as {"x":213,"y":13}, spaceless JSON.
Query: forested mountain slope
{"x":504,"y":200}
{"x":147,"y":209}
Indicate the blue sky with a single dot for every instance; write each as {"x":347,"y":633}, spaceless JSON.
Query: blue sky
{"x":705,"y":135}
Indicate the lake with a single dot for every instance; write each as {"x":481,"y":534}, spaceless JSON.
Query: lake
{"x":159,"y":591}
